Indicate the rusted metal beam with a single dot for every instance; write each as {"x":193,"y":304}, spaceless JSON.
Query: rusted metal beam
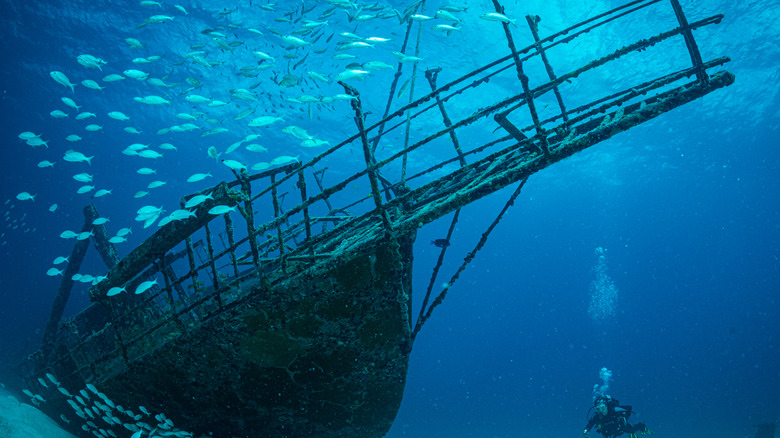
{"x":690,"y":42}
{"x":529,"y":98}
{"x":66,"y":284}
{"x":533,"y":24}
{"x":432,"y":75}
{"x":368,"y":154}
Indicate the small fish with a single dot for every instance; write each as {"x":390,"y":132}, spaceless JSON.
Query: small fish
{"x":93,"y":128}
{"x":42,"y":382}
{"x":495,"y":16}
{"x":196,"y":98}
{"x":264,"y":121}
{"x":155,"y":184}
{"x":244,"y":113}
{"x":198,"y":177}
{"x":148,"y":153}
{"x":116,"y":290}
{"x":343,"y":56}
{"x":52,"y":272}
{"x":60,"y":260}
{"x":24,"y":196}
{"x":69,"y":102}
{"x":101,"y":193}
{"x":85,"y":115}
{"x":53,"y":208}
{"x":219,"y":130}
{"x":212,"y":152}
{"x":83,"y":177}
{"x":343,"y":96}
{"x":90,"y":61}
{"x":89,"y":83}
{"x":37,"y":141}
{"x":264,"y":56}
{"x":233,"y":164}
{"x":318,"y":76}
{"x":75,"y":157}
{"x":146,"y":285}
{"x":113,"y":78}
{"x":27,"y":135}
{"x":441,"y":243}
{"x":156,"y":19}
{"x":352,"y":74}
{"x":124,"y":232}
{"x":313,"y":143}
{"x":355,"y":45}
{"x":178,"y":215}
{"x":197,"y":200}
{"x":445,"y":28}
{"x":117,"y":239}
{"x":60,"y":78}
{"x":376,"y":65}
{"x":145,"y":171}
{"x":283,"y":159}
{"x":152,"y":100}
{"x":136,"y":74}
{"x":297,"y":132}
{"x":221,"y":209}
{"x":73,"y":137}
{"x":68,"y":234}
{"x":100,"y":221}
{"x":294,"y":41}
{"x":116,"y":115}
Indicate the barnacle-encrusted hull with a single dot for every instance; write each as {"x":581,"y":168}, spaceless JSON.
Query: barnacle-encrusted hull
{"x":324,"y":355}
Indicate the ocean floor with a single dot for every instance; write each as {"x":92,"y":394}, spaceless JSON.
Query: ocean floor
{"x":21,"y":420}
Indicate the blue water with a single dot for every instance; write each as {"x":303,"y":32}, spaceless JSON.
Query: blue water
{"x":684,"y":208}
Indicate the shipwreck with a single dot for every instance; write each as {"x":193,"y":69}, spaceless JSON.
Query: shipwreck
{"x":295,"y":320}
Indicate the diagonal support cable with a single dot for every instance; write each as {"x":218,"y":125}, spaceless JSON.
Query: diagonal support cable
{"x":443,"y":294}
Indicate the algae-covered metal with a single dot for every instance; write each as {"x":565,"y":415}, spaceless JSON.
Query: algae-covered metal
{"x":324,"y":354}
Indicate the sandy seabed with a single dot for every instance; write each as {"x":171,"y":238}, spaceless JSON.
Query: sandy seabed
{"x":21,"y":420}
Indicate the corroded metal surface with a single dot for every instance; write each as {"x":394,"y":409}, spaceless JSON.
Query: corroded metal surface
{"x":320,"y":356}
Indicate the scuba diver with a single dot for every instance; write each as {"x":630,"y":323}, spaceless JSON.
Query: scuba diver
{"x":611,"y":419}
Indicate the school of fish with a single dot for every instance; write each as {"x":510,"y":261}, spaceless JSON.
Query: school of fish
{"x":102,"y":417}
{"x":283,"y":59}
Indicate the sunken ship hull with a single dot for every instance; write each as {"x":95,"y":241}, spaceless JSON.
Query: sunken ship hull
{"x":322,"y":355}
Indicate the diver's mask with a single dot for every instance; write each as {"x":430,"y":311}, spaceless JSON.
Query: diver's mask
{"x":601,"y":409}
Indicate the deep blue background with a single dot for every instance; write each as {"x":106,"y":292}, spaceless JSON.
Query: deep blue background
{"x":685,"y":205}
